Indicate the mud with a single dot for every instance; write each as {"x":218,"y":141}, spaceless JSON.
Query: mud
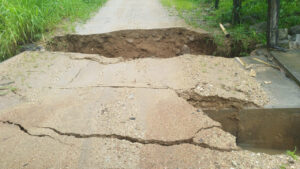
{"x":131,"y":44}
{"x":261,"y":128}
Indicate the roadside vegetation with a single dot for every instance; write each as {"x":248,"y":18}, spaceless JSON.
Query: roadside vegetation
{"x":249,"y":31}
{"x":23,"y":21}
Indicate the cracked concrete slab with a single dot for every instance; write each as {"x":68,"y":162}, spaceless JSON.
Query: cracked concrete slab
{"x":128,"y":112}
{"x":120,"y":106}
{"x":204,"y":74}
{"x":133,"y":106}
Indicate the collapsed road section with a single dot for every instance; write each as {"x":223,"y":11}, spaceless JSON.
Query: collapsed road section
{"x":131,"y":44}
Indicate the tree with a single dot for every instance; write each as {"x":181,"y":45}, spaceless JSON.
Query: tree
{"x":236,"y":11}
{"x":273,"y":19}
{"x":217,"y":4}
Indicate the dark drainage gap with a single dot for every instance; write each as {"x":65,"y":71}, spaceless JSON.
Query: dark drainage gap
{"x":270,"y":131}
{"x":141,"y":43}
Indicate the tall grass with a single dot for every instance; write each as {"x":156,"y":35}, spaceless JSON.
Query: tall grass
{"x":22,"y":21}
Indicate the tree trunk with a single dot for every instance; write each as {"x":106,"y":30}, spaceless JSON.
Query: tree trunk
{"x":217,"y":4}
{"x":236,"y":11}
{"x":273,"y":18}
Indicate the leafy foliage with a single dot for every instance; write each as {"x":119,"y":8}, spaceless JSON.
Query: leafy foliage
{"x":252,"y":12}
{"x":24,"y":20}
{"x":292,"y":154}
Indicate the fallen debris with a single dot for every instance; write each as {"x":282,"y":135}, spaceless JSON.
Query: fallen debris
{"x":268,"y":64}
{"x":240,"y":61}
{"x":252,"y":73}
{"x":227,"y":35}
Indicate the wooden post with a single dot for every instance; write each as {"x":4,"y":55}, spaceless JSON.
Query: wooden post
{"x":236,"y":11}
{"x":227,"y":35}
{"x":217,"y":4}
{"x":273,"y":18}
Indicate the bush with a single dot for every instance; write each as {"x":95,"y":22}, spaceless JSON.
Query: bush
{"x":253,"y":11}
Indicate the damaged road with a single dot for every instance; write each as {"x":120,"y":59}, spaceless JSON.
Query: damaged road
{"x":135,"y":107}
{"x":126,"y":138}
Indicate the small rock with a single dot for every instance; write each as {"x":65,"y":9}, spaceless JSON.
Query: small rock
{"x":267,"y":82}
{"x":294,"y":30}
{"x":129,"y":40}
{"x":252,"y":73}
{"x":283,"y":34}
{"x":294,"y":45}
{"x":234,"y":163}
{"x":291,"y":161}
{"x":132,"y":118}
{"x":186,"y":49}
{"x":191,"y":38}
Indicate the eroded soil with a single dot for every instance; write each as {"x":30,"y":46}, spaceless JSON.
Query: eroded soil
{"x":132,"y":44}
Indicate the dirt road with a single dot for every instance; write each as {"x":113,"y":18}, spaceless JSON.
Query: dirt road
{"x":71,"y":110}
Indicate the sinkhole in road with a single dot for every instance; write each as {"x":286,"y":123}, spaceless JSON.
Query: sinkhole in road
{"x":132,"y":44}
{"x":270,"y":131}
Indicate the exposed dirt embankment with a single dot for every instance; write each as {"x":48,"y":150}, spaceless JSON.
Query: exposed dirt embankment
{"x":215,"y":102}
{"x":162,"y":43}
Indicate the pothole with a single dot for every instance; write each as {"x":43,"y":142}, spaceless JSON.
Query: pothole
{"x":132,"y":44}
{"x":264,"y":130}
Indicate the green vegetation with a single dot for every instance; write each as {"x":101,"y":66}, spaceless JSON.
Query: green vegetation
{"x":22,"y":21}
{"x":201,"y":13}
{"x":5,"y":90}
{"x":292,"y":154}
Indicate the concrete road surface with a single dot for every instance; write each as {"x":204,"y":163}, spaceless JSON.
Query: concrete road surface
{"x":66,"y":110}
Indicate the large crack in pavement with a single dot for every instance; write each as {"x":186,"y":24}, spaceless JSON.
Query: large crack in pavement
{"x":126,"y":138}
{"x":26,"y":131}
{"x":23,"y":129}
{"x":195,"y":99}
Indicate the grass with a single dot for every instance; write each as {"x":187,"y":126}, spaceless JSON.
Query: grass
{"x":23,"y":21}
{"x":201,"y":13}
{"x":292,"y":154}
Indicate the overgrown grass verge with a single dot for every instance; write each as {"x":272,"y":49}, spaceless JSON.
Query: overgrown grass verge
{"x":201,"y":13}
{"x":23,"y":21}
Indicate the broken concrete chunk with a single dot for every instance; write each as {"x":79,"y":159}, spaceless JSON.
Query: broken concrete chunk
{"x":252,"y":73}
